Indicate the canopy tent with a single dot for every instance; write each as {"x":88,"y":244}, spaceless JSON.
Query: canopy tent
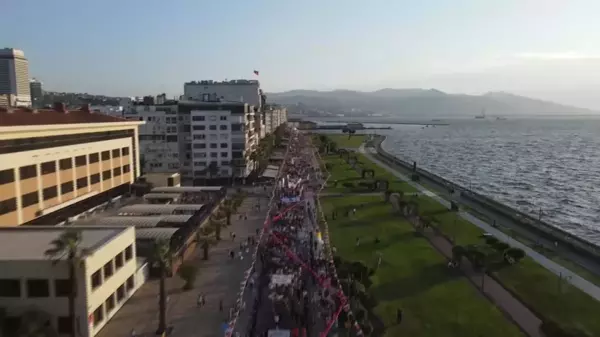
{"x":154,"y":209}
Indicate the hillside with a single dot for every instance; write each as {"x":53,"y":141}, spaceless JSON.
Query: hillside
{"x":419,"y":103}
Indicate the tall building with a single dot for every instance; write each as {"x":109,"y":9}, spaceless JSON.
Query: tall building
{"x":245,"y":91}
{"x":57,"y":163}
{"x":14,"y":78}
{"x":37,"y":93}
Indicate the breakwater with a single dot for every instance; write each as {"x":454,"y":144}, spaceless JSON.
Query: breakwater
{"x":529,"y":222}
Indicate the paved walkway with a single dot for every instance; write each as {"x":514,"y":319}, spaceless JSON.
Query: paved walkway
{"x":218,"y":278}
{"x":569,"y":276}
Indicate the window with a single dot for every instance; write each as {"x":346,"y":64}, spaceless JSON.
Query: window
{"x":116,"y":153}
{"x":105,"y":155}
{"x":94,"y":158}
{"x":95,"y":178}
{"x":10,"y":288}
{"x":80,"y":161}
{"x":212,"y":127}
{"x":126,"y":168}
{"x":8,"y":205}
{"x":224,"y":154}
{"x":121,"y":293}
{"x":223,"y":145}
{"x":186,"y":128}
{"x":98,"y":315}
{"x":213,"y":145}
{"x":50,"y":192}
{"x":199,"y":155}
{"x":198,"y":118}
{"x":48,"y":167}
{"x":199,"y":127}
{"x":62,"y":287}
{"x":172,"y":139}
{"x":129,"y":253}
{"x":199,"y":163}
{"x":199,"y":137}
{"x":38,"y":288}
{"x":224,"y":136}
{"x":106,"y":175}
{"x":238,"y":146}
{"x":82,"y":182}
{"x":116,"y":171}
{"x":119,"y":260}
{"x":237,"y":127}
{"x":223,"y":127}
{"x":66,"y":187}
{"x":29,"y":199}
{"x":214,"y":155}
{"x":108,"y":270}
{"x":65,"y":164}
{"x":63,"y":325}
{"x":110,"y":303}
{"x":212,"y":118}
{"x":11,"y":325}
{"x":7,"y":176}
{"x":27,"y":172}
{"x":225,"y":163}
{"x":223,"y":118}
{"x":125,"y":151}
{"x":129,"y":284}
{"x":96,"y":279}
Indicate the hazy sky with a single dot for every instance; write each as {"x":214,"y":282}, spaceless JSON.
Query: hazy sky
{"x":544,"y":48}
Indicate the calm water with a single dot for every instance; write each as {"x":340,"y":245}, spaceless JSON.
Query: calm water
{"x":552,"y":165}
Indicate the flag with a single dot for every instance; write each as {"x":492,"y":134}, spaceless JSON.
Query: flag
{"x":256,"y":72}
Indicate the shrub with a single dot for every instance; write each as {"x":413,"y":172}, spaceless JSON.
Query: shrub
{"x":500,"y":246}
{"x":491,"y":240}
{"x":187,"y":272}
{"x":348,"y":184}
{"x":552,"y":329}
{"x":514,"y":254}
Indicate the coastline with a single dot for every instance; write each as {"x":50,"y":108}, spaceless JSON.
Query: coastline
{"x":541,"y":228}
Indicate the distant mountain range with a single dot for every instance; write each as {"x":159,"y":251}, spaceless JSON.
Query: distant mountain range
{"x":418,"y":103}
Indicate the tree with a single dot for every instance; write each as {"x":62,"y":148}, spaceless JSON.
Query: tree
{"x":162,"y":256}
{"x":188,"y":273}
{"x":68,"y":245}
{"x":216,"y":225}
{"x":513,"y":255}
{"x":205,"y":246}
{"x":457,"y":253}
{"x":227,"y":208}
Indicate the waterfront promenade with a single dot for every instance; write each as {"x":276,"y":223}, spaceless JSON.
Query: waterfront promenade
{"x":564,"y":273}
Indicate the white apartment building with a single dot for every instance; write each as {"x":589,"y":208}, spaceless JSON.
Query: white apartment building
{"x":31,"y":281}
{"x":221,"y":133}
{"x":159,"y":140}
{"x":245,"y":91}
{"x":14,"y":78}
{"x":274,"y":116}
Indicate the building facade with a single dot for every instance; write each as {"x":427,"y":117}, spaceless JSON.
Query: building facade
{"x":245,"y":91}
{"x":31,"y":281}
{"x":54,"y":162}
{"x":37,"y":93}
{"x":14,"y":78}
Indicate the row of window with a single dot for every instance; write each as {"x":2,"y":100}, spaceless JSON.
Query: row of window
{"x":34,"y":288}
{"x":113,"y":299}
{"x":212,"y":154}
{"x":234,"y":127}
{"x":12,"y":325}
{"x":30,"y":171}
{"x":211,"y":145}
{"x":109,"y":269}
{"x":223,"y":136}
{"x":32,"y":198}
{"x":211,"y":127}
{"x":204,"y":163}
{"x":211,"y":118}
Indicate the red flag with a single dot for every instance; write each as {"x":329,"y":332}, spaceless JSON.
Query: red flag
{"x":256,"y":72}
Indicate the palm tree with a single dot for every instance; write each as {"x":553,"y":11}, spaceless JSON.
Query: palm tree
{"x":162,"y":256}
{"x":216,"y":224}
{"x":68,"y":245}
{"x":227,"y":208}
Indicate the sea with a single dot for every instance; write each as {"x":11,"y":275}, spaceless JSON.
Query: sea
{"x":547,"y":166}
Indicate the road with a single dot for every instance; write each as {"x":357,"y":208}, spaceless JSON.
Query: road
{"x":568,"y":275}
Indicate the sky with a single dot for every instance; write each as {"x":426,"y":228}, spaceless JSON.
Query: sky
{"x":547,"y":49}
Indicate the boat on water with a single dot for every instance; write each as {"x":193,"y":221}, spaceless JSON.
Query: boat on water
{"x":482,"y":116}
{"x":500,"y":118}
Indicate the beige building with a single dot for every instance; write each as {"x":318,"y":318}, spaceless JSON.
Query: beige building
{"x":58,"y":163}
{"x":30,"y":281}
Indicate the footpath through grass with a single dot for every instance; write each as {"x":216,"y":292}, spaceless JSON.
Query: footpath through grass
{"x":550,"y":296}
{"x":436,"y":301}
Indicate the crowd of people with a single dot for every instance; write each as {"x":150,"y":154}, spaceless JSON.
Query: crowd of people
{"x":289,"y":286}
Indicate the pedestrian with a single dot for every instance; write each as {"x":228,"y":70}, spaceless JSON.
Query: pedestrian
{"x":398,"y":316}
{"x":200,"y":301}
{"x":231,"y":254}
{"x":232,"y":236}
{"x":133,"y":333}
{"x":221,"y":305}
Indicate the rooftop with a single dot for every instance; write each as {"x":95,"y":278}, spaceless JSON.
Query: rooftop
{"x":186,"y":189}
{"x":30,"y":243}
{"x":141,"y":221}
{"x":59,"y":115}
{"x":154,"y":209}
{"x":231,"y":82}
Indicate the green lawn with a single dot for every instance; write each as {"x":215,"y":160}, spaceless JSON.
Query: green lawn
{"x":342,"y":140}
{"x":413,"y":276}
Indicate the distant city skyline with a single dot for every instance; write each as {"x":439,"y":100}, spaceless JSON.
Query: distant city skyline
{"x":540,"y":48}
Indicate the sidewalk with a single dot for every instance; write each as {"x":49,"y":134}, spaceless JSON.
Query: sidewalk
{"x":566,"y":274}
{"x":218,"y":278}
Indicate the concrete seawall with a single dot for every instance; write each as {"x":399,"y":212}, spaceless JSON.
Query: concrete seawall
{"x":540,"y":227}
